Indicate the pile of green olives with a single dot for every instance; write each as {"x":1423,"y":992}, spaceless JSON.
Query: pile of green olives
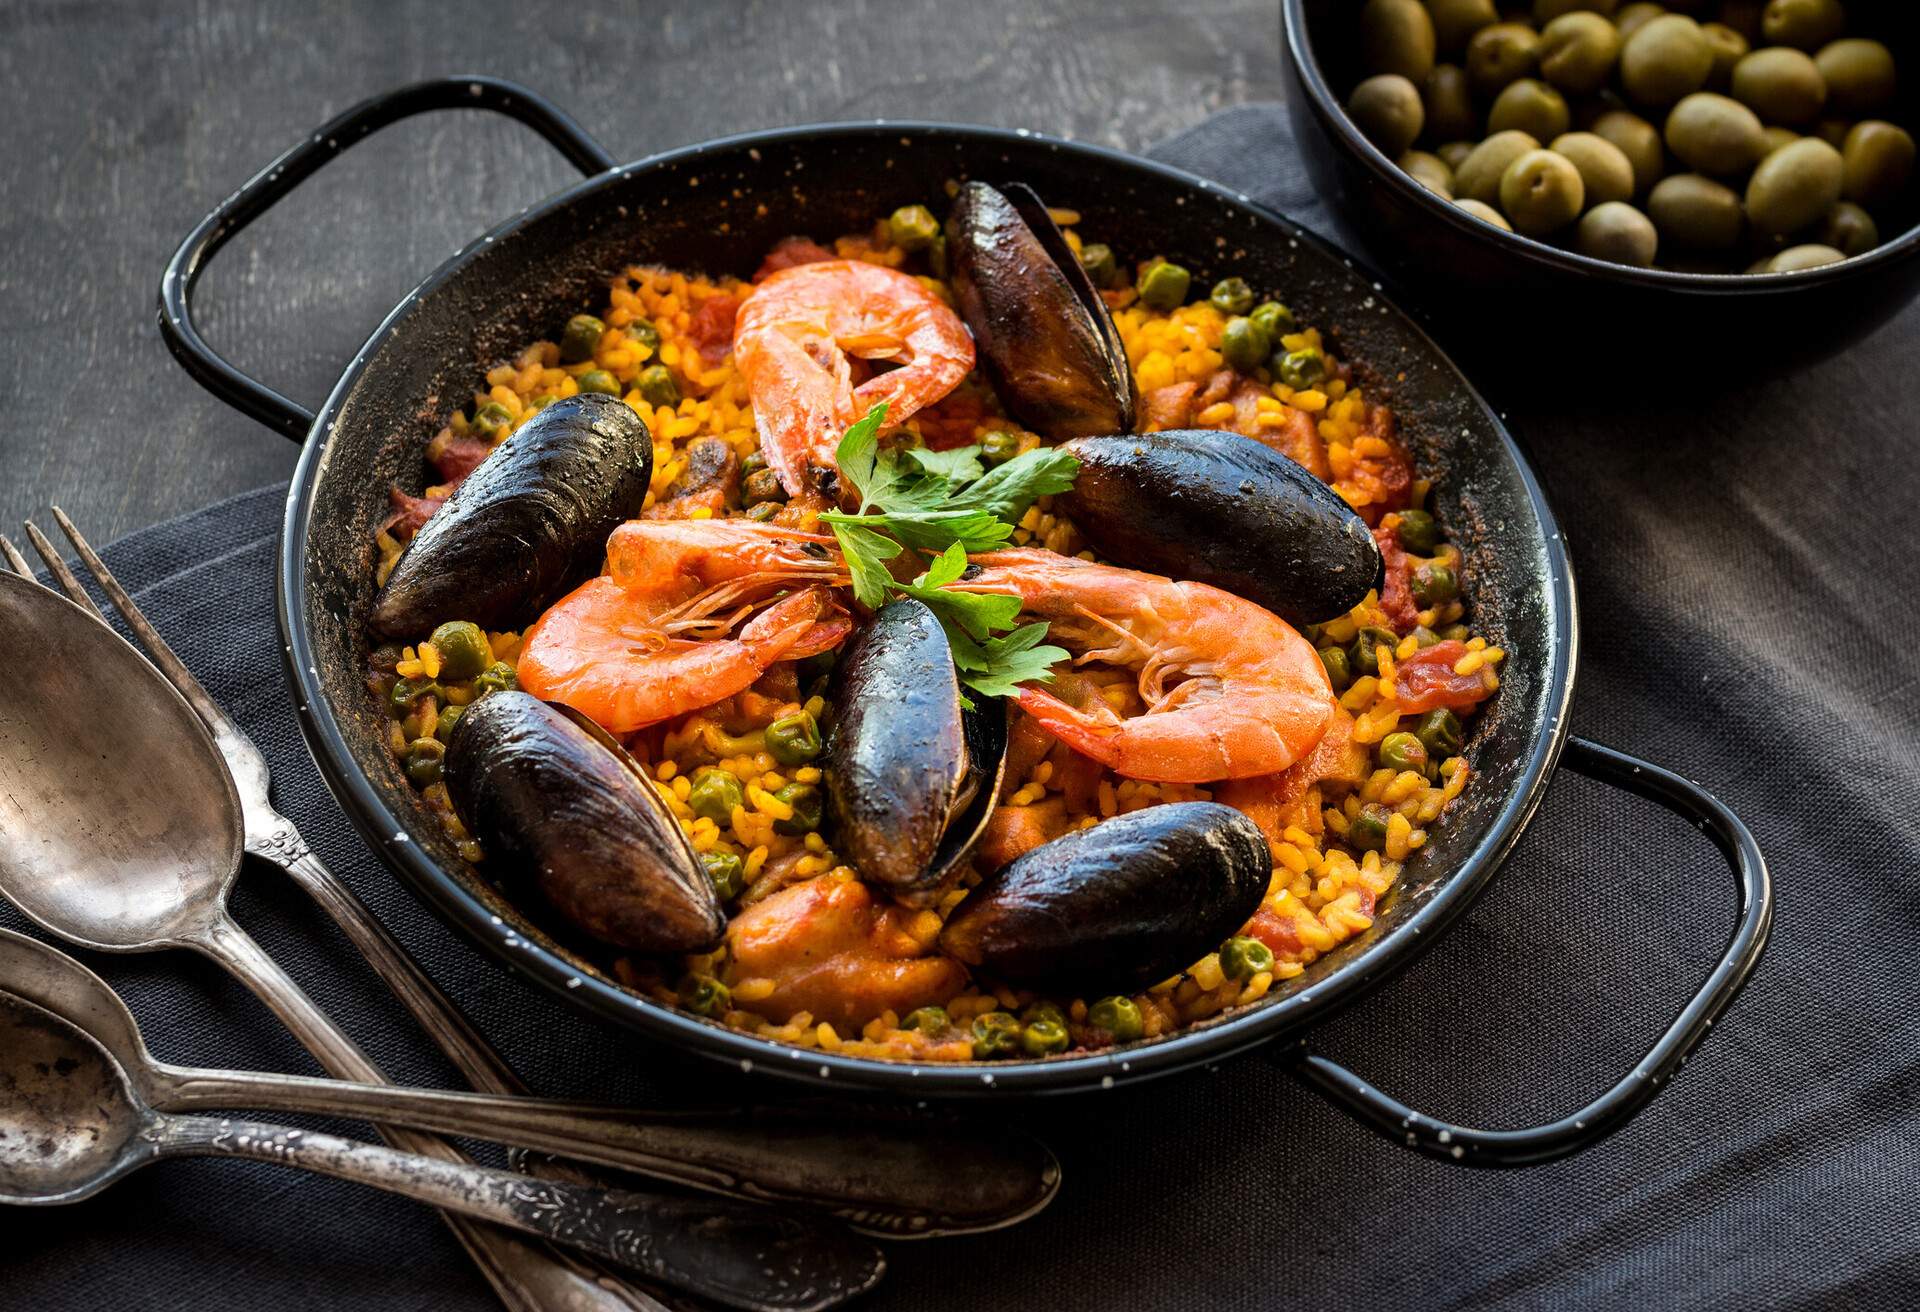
{"x":1716,"y":136}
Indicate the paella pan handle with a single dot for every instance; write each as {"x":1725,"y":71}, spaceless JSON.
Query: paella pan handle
{"x":1613,"y":1108}
{"x":293,"y":167}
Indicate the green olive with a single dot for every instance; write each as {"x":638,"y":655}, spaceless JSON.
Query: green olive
{"x":1877,"y":160}
{"x":1430,"y":171}
{"x":1695,"y":213}
{"x":1368,"y":830}
{"x":806,"y":801}
{"x":1545,"y":11}
{"x":1042,"y":1038}
{"x":1435,"y":584}
{"x":1478,"y":178}
{"x":658,"y":387}
{"x":1448,"y":104}
{"x":1439,"y":731}
{"x":1454,"y":154}
{"x":999,"y":446}
{"x":1387,"y":110}
{"x":927,"y":1020}
{"x":1808,"y":24}
{"x":793,"y":739}
{"x":703,"y":995}
{"x":1778,"y":137}
{"x":995,"y":1034}
{"x":1541,"y":192}
{"x":497,"y":677}
{"x":1363,"y":655}
{"x":424,"y":757}
{"x":490,"y":419}
{"x":1530,"y":106}
{"x":762,"y":485}
{"x":448,"y":721}
{"x":1231,"y":296}
{"x":912,"y":227}
{"x":1780,"y":85}
{"x":1403,"y":751}
{"x":580,"y":339}
{"x":1669,"y":57}
{"x":1302,"y":368}
{"x":1097,"y":259}
{"x":1833,"y":131}
{"x":1577,"y":52}
{"x":1794,"y":187}
{"x":1743,"y":16}
{"x":1275,"y":319}
{"x":599,"y":381}
{"x":1712,"y":133}
{"x":643,"y":332}
{"x":1729,"y":48}
{"x":1417,"y":531}
{"x":1500,"y":53}
{"x":1605,"y":171}
{"x":1119,"y":1017}
{"x":1485,"y":213}
{"x":1163,"y":285}
{"x":408,"y":691}
{"x":1639,"y":141}
{"x":1339,"y":669}
{"x":1455,"y":22}
{"x":1859,"y":74}
{"x":1242,"y":958}
{"x":715,"y":794}
{"x":727,"y":872}
{"x":463,"y":650}
{"x":1633,"y":17}
{"x":1245,"y":344}
{"x":1396,"y":36}
{"x":1795,"y":258}
{"x":1618,"y":233}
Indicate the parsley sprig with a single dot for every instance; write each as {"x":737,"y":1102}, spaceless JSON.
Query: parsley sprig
{"x":945,"y":504}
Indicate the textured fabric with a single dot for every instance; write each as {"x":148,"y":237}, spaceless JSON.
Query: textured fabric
{"x":1746,"y":586}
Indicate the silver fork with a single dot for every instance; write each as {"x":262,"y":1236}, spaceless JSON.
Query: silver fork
{"x":274,"y":839}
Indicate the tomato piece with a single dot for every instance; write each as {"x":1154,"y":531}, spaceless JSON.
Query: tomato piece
{"x":1426,"y":681}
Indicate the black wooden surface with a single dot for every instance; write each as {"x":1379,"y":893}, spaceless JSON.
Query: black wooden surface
{"x":127,"y":121}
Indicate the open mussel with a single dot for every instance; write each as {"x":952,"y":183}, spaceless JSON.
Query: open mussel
{"x":553,"y":799}
{"x":530,"y":521}
{"x":1119,"y":906}
{"x":911,"y":774}
{"x":1223,"y":509}
{"x":1040,"y":329}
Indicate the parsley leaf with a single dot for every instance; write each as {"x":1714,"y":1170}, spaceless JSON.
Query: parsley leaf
{"x":1016,"y":658}
{"x":960,"y":465}
{"x":866,"y":553}
{"x":1007,"y":491}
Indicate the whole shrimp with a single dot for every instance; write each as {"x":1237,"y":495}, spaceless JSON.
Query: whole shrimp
{"x":655,"y":635}
{"x":1231,"y":690}
{"x":791,"y":342}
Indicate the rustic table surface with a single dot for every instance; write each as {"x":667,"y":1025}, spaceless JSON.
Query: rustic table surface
{"x":127,"y":121}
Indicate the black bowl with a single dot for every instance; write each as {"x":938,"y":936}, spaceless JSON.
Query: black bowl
{"x":1528,"y":300}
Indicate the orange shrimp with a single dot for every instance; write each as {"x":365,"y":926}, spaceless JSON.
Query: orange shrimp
{"x":1231,"y":690}
{"x":654,"y":636}
{"x":791,"y":341}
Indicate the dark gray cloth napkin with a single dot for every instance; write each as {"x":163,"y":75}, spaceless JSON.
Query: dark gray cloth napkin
{"x":1745,"y":561}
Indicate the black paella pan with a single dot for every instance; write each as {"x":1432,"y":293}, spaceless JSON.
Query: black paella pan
{"x":718,"y":207}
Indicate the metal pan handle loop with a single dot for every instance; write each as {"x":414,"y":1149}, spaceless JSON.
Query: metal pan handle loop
{"x":1615,"y":1107}
{"x":294,"y":166}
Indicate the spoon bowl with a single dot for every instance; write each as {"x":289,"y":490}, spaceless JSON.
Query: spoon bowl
{"x":70,"y":1122}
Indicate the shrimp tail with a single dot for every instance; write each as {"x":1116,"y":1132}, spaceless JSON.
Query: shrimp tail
{"x":1095,"y":731}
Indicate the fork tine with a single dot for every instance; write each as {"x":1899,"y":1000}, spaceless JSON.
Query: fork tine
{"x":14,"y":558}
{"x":55,"y":562}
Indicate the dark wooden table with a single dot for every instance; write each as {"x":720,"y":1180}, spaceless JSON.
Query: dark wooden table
{"x":126,"y":121}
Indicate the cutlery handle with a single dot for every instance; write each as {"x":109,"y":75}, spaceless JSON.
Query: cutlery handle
{"x":717,"y":1249}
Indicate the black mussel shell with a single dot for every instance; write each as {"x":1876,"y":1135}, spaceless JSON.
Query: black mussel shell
{"x":1225,"y":510}
{"x":911,"y":774}
{"x":1042,"y":333}
{"x":528,"y":523}
{"x":1119,"y":906}
{"x":552,"y":799}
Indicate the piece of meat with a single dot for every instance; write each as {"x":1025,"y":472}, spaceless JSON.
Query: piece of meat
{"x":789,"y":251}
{"x":711,"y":481}
{"x":711,"y":328}
{"x":1014,"y":831}
{"x":1425,"y":680}
{"x":1170,"y":406}
{"x":454,"y":457}
{"x":830,"y":950}
{"x":409,"y":512}
{"x":1396,"y":592}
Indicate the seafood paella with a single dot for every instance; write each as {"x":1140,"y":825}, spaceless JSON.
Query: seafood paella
{"x":961,"y":641}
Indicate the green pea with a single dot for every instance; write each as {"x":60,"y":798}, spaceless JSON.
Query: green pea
{"x":1231,"y":296}
{"x":995,"y":1034}
{"x":541,"y":402}
{"x":1046,"y":1011}
{"x":1404,"y":751}
{"x":937,"y":255}
{"x":1339,"y":668}
{"x":463,"y":650}
{"x":1433,"y":584}
{"x":1363,"y":656}
{"x":497,"y":677}
{"x":1097,"y":259}
{"x":762,"y":486}
{"x":1245,"y":344}
{"x":912,"y":227}
{"x":703,"y":995}
{"x":424,"y":756}
{"x":408,"y":691}
{"x":1119,"y":1017}
{"x":491,"y":419}
{"x":1243,"y":958}
{"x":793,"y":739}
{"x":581,"y":338}
{"x":657,"y":386}
{"x":1368,"y":830}
{"x":1275,"y":319}
{"x":1301,"y":369}
{"x":643,"y":332}
{"x":449,"y":717}
{"x":600,"y":381}
{"x":1453,"y":633}
{"x":1424,"y":637}
{"x":928,"y":1020}
{"x":1417,"y":532}
{"x":1163,"y":285}
{"x":1043,"y":1037}
{"x":815,"y":669}
{"x":714,"y":795}
{"x":998,"y":447}
{"x":1440,"y":733}
{"x":806,"y":802}
{"x":763,"y":512}
{"x":728,"y":873}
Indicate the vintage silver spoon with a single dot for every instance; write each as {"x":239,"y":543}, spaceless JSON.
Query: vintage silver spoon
{"x":72,"y":1123}
{"x":120,"y":830}
{"x":955,"y":1181}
